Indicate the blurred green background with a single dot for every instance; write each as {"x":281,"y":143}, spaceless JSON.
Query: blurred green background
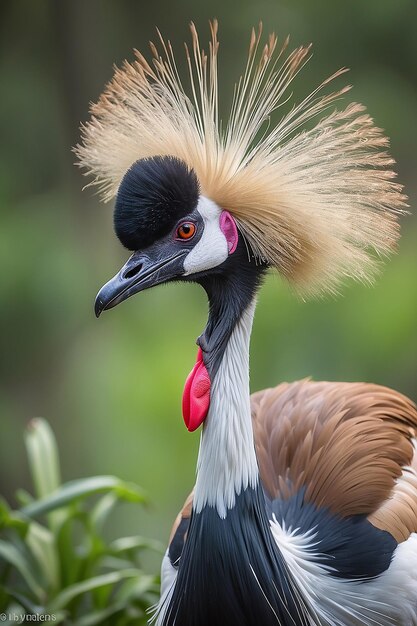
{"x":111,"y":389}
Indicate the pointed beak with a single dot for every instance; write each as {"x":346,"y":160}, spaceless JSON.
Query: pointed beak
{"x":139,"y":272}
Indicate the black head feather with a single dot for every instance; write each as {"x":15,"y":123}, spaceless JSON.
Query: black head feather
{"x":153,"y":195}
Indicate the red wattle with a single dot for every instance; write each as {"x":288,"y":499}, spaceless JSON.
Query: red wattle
{"x":196,"y":396}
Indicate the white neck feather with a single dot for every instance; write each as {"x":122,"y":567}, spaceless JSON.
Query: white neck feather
{"x":227,"y":461}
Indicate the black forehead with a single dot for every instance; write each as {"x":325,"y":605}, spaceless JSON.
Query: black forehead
{"x":153,"y":195}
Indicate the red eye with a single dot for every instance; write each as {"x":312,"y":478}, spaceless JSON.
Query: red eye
{"x":186,"y":230}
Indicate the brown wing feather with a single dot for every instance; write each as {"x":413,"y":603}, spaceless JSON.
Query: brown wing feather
{"x":345,"y":443}
{"x":398,"y":514}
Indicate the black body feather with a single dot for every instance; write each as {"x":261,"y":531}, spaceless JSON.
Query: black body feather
{"x":231,"y":572}
{"x":350,"y":546}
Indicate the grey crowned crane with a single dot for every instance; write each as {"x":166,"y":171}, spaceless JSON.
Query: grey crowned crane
{"x":304,"y":510}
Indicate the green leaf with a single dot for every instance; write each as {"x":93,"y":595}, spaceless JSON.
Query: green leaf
{"x":69,"y":559}
{"x":79,"y":549}
{"x":125,"y":544}
{"x":43,"y":462}
{"x":12,"y":519}
{"x":102,"y":510}
{"x":114,"y":563}
{"x":43,"y":457}
{"x":131,"y":493}
{"x":134,"y":589}
{"x":82,"y":488}
{"x":67,"y":595}
{"x":23,"y":497}
{"x":41,"y":542}
{"x":20,"y":560}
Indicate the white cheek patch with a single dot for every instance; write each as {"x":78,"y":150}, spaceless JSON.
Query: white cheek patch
{"x":213,"y":247}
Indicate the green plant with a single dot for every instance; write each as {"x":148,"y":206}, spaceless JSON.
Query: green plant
{"x":55,"y":564}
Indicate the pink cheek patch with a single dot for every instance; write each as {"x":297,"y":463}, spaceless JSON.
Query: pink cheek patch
{"x":229,"y":230}
{"x":196,"y":396}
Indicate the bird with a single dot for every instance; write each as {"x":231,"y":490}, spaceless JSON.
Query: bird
{"x":304,"y":509}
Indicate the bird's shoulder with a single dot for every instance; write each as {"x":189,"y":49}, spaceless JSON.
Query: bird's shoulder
{"x":349,"y":447}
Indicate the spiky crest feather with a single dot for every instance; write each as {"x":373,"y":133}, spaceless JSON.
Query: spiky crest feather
{"x":315,"y":203}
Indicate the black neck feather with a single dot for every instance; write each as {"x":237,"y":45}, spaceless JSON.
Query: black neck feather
{"x":230,"y":290}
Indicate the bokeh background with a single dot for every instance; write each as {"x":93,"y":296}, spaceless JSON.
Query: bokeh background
{"x":111,"y":389}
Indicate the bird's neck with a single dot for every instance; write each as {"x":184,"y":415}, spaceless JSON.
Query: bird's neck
{"x":227,"y":462}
